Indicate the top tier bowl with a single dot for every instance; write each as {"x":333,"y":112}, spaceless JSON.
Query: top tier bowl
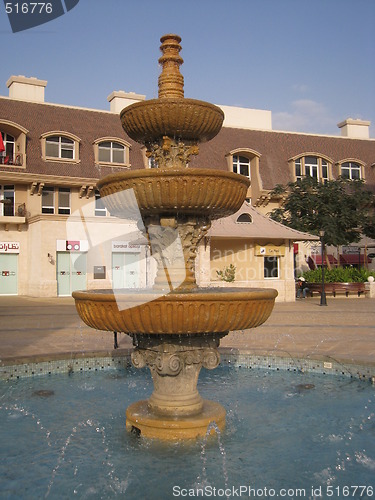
{"x":187,"y":119}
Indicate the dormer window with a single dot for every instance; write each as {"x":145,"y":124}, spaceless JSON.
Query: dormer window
{"x":245,"y":161}
{"x":241,"y":165}
{"x":14,"y":139}
{"x":60,"y":147}
{"x":313,"y":166}
{"x":351,"y":170}
{"x":111,"y":151}
{"x":7,"y":156}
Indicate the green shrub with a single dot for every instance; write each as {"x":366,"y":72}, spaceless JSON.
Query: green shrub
{"x":227,"y":274}
{"x":338,"y":275}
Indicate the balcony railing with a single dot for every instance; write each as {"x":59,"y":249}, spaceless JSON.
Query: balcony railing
{"x":14,"y":160}
{"x":11,"y":210}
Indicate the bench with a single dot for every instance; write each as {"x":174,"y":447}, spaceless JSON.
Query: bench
{"x":335,"y":288}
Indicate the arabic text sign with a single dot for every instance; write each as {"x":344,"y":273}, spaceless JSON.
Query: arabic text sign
{"x":9,"y":247}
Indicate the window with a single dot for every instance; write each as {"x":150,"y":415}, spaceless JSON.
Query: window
{"x":7,"y":200}
{"x":351,"y":170}
{"x":245,"y":218}
{"x":246,"y":162}
{"x":48,"y":200}
{"x":311,"y":166}
{"x":271,"y":267}
{"x":64,"y":201}
{"x":7,"y":157}
{"x":60,"y":147}
{"x":241,"y":165}
{"x":14,"y":139}
{"x":100,"y":210}
{"x":111,"y":152}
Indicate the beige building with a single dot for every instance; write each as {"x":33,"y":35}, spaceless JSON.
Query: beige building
{"x":261,"y":252}
{"x":56,"y":235}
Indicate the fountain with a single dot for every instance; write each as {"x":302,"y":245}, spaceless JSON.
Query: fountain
{"x":176,"y":327}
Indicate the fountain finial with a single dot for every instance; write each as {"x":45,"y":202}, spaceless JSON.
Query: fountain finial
{"x":171,"y":82}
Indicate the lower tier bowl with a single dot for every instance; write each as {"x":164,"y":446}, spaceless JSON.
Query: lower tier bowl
{"x":211,"y":310}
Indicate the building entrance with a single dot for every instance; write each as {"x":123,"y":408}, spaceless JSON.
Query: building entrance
{"x":71,"y":271}
{"x":125,"y":270}
{"x":8,"y":274}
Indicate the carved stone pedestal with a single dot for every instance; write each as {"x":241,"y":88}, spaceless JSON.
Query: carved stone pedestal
{"x":175,"y":409}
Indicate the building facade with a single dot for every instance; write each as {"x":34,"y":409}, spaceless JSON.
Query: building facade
{"x":55,"y":233}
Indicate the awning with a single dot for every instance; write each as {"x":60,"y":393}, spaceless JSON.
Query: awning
{"x":352,"y":259}
{"x":318,"y":259}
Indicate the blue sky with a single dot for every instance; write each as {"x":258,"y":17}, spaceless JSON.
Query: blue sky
{"x":311,"y":62}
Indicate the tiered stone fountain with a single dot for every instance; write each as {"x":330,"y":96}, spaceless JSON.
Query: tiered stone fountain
{"x":177,"y":332}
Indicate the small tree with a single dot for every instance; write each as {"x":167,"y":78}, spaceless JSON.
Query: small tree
{"x":342,"y":208}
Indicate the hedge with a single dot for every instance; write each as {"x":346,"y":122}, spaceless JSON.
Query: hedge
{"x":338,"y":275}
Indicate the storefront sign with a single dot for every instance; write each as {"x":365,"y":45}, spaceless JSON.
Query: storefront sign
{"x":125,"y":246}
{"x":350,"y":250}
{"x":72,"y":245}
{"x":269,"y":251}
{"x":9,"y":247}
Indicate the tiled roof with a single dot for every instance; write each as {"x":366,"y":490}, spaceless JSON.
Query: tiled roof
{"x":88,"y":125}
{"x":275,"y":148}
{"x":261,"y":227}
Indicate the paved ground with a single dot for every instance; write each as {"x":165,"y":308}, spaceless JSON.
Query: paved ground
{"x":49,"y":328}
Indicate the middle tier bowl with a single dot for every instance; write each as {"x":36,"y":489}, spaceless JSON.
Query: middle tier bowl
{"x":203,"y":310}
{"x":206,"y":192}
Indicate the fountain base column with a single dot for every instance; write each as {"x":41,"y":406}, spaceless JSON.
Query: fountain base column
{"x":175,"y":409}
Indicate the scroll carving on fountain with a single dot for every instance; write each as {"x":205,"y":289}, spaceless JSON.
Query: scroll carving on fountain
{"x":176,"y":327}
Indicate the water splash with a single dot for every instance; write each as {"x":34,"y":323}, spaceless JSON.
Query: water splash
{"x":202,"y":480}
{"x":116,"y":484}
{"x":23,"y":411}
{"x":364,"y":460}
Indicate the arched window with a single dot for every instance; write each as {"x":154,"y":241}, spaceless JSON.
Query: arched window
{"x":111,"y":150}
{"x":311,"y":165}
{"x":59,"y":146}
{"x":245,"y":161}
{"x":241,"y":165}
{"x":14,"y":139}
{"x":245,"y":218}
{"x":7,"y":156}
{"x":62,"y":146}
{"x":351,"y":170}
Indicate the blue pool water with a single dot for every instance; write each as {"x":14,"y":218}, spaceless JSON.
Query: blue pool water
{"x":288,"y":435}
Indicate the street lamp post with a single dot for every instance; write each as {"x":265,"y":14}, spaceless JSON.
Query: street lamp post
{"x":323,"y":299}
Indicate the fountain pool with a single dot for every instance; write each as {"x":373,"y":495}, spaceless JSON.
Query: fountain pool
{"x":64,"y":437}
